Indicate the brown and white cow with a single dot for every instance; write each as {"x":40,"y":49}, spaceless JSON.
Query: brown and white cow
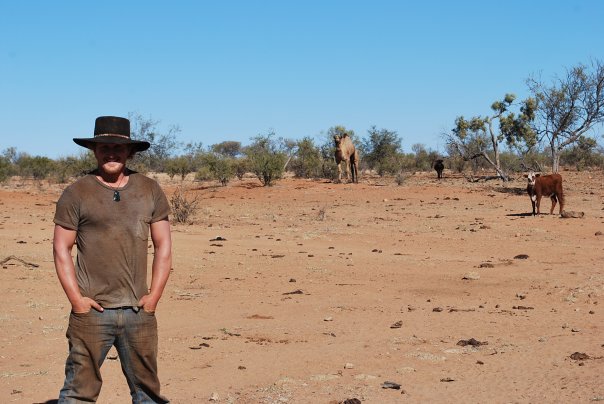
{"x":545,"y":185}
{"x":346,"y":152}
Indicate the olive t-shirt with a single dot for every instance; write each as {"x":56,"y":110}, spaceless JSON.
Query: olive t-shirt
{"x":112,"y":236}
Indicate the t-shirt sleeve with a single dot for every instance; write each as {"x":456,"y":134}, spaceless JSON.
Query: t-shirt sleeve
{"x":162,"y":207}
{"x":67,"y":213}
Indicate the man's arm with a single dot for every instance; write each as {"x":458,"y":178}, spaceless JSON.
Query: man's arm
{"x":62,"y":244}
{"x":162,"y":264}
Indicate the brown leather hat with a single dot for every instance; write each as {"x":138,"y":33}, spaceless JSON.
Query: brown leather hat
{"x":112,"y":129}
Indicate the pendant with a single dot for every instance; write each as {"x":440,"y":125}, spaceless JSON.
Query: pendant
{"x":116,"y":196}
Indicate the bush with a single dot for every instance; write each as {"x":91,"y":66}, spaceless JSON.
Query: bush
{"x":178,"y":166}
{"x":6,"y":169}
{"x":241,"y":166}
{"x":183,"y":208}
{"x":381,"y":150}
{"x":203,"y":174}
{"x":38,"y":167}
{"x":220,"y":168}
{"x":74,"y":166}
{"x":307,"y":161}
{"x":266,"y":160}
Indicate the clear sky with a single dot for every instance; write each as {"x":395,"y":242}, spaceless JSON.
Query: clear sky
{"x":230,"y":70}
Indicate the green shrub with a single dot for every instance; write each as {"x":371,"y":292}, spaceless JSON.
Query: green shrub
{"x":266,"y":161}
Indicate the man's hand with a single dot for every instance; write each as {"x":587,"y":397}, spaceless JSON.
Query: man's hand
{"x":148,"y":303}
{"x":84,"y":305}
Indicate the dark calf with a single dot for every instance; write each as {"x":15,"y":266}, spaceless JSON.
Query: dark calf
{"x":439,"y":167}
{"x":545,"y":185}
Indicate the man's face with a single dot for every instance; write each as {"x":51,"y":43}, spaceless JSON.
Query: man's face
{"x":111,"y":157}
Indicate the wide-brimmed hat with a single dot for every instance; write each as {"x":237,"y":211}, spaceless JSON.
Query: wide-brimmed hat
{"x":112,"y":129}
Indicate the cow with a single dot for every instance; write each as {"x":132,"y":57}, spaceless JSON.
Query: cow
{"x":346,"y":152}
{"x":439,"y":167}
{"x":545,"y":185}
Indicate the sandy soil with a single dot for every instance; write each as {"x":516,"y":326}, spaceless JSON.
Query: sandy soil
{"x":323,"y":292}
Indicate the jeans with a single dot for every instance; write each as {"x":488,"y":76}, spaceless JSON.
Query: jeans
{"x":133,"y":332}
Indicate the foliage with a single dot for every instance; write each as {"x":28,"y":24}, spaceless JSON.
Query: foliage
{"x":203,"y":174}
{"x":228,"y":148}
{"x":7,"y":163}
{"x":180,"y":165}
{"x":266,"y":158}
{"x":329,"y":169}
{"x":220,"y":167}
{"x":38,"y":167}
{"x":477,"y":138}
{"x":163,"y":145}
{"x":569,"y":108}
{"x":381,"y":150}
{"x":582,"y":154}
{"x":74,"y":166}
{"x":307,"y":162}
{"x":241,"y":166}
{"x":424,"y":158}
{"x":6,"y":169}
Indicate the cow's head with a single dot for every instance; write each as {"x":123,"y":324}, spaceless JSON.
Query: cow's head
{"x":531,"y":177}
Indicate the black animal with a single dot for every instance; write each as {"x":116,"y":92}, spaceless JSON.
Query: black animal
{"x":439,"y":167}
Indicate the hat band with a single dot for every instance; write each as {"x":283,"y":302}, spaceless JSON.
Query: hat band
{"x":112,"y":135}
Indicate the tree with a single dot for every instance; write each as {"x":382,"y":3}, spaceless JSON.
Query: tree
{"x":381,"y":150}
{"x":568,"y":108}
{"x":227,"y":148}
{"x":163,"y":145}
{"x":477,"y":138}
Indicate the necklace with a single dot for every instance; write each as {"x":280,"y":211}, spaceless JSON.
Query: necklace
{"x":116,"y":193}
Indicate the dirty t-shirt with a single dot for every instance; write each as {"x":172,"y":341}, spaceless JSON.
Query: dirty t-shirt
{"x":112,"y":237}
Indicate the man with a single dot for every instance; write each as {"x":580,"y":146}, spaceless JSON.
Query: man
{"x":108,"y":214}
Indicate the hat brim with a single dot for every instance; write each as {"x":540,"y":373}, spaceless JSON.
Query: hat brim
{"x":139,"y":145}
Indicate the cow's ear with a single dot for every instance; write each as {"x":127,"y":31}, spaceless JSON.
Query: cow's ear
{"x":537,"y":175}
{"x":525,"y":175}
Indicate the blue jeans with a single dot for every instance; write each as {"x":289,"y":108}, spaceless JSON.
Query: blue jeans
{"x":133,"y":332}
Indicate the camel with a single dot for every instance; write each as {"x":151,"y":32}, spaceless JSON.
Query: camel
{"x":345,"y":151}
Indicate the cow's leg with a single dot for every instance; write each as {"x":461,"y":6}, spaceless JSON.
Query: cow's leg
{"x":538,"y":203}
{"x":554,"y":199}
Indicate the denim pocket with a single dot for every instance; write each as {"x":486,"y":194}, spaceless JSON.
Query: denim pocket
{"x":73,"y":313}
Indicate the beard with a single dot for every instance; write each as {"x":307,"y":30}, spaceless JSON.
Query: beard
{"x":112,"y":167}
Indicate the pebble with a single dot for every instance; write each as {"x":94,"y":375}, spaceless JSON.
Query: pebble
{"x":348,"y":366}
{"x":214,"y":397}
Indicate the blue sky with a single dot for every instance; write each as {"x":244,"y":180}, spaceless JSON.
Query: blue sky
{"x":230,"y":70}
